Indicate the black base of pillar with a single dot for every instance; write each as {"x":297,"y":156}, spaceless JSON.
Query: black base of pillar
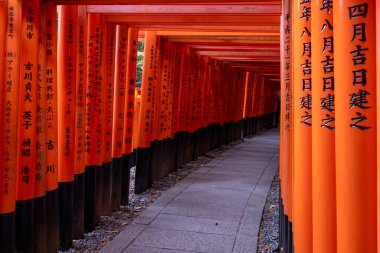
{"x":222,"y":136}
{"x":163,"y":165}
{"x":142,"y":170}
{"x":197,"y":140}
{"x":106,"y":194}
{"x":229,"y":132}
{"x":214,"y":136}
{"x":245,"y":127}
{"x":78,"y":206}
{"x":180,"y":147}
{"x":290,"y":238}
{"x":89,"y":198}
{"x":52,"y":221}
{"x":40,"y":229}
{"x":116,"y":175}
{"x":7,"y":232}
{"x":125,"y":178}
{"x":155,"y":155}
{"x":66,"y":215}
{"x":133,"y":158}
{"x":99,"y":193}
{"x":167,"y":161}
{"x":207,"y":142}
{"x":172,"y":143}
{"x":188,"y":147}
{"x":286,"y":231}
{"x":24,"y":226}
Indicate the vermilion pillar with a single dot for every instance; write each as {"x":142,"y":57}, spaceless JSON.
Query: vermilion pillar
{"x":323,"y":136}
{"x":51,"y":131}
{"x":378,"y":118}
{"x":3,"y":27}
{"x":67,"y":59}
{"x":302,"y":121}
{"x":146,"y":114}
{"x":40,"y":212}
{"x":99,"y":104}
{"x":285,"y":126}
{"x":119,"y":113}
{"x":246,"y":96}
{"x":80,"y":123}
{"x":108,"y":113}
{"x":10,"y":14}
{"x":132,"y":49}
{"x":136,"y":113}
{"x":355,"y":103}
{"x":93,"y":136}
{"x":27,"y":125}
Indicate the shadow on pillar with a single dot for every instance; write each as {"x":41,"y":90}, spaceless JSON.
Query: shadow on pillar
{"x":142,"y":170}
{"x":90,"y":198}
{"x":7,"y":232}
{"x":78,"y":206}
{"x":52,"y":221}
{"x":116,"y":175}
{"x":66,"y":215}
{"x":40,"y":226}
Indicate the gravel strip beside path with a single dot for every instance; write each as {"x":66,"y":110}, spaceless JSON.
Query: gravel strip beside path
{"x":269,"y":228}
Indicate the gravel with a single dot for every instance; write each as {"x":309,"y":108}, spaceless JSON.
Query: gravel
{"x":111,"y":225}
{"x":269,"y":228}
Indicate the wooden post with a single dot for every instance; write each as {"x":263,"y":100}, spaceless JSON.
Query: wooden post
{"x":40,"y":212}
{"x":108,"y":113}
{"x":323,"y":129}
{"x":100,"y":126}
{"x":378,"y":119}
{"x":10,"y":14}
{"x":288,"y":119}
{"x":302,"y":127}
{"x":67,"y":59}
{"x":156,"y":145}
{"x":51,"y":117}
{"x":80,"y":120}
{"x":3,"y":30}
{"x":119,"y":113}
{"x":175,"y":131}
{"x":167,"y":130}
{"x":132,"y":49}
{"x":284,"y":129}
{"x":247,"y":100}
{"x":27,"y":125}
{"x":136,"y":114}
{"x":146,"y":115}
{"x":355,"y":96}
{"x":93,"y":125}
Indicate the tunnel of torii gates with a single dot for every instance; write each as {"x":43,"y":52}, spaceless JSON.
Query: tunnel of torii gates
{"x":72,"y":122}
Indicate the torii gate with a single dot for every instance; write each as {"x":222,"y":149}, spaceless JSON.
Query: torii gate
{"x":329,"y":80}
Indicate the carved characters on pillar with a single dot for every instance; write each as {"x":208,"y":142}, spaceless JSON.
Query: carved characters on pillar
{"x":306,"y":98}
{"x":287,"y":51}
{"x":358,"y":101}
{"x":327,"y":102}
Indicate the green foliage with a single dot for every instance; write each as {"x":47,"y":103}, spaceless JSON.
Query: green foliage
{"x":140,"y":60}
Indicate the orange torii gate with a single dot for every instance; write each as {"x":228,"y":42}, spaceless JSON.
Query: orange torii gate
{"x":335,"y":88}
{"x":200,"y":94}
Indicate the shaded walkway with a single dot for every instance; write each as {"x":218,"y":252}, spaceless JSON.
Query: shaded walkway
{"x":216,"y":209}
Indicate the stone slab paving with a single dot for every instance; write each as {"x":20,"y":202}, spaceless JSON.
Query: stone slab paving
{"x":216,"y":209}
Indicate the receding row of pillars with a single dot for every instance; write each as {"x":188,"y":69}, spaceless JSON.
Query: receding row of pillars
{"x":72,"y":122}
{"x":329,"y":126}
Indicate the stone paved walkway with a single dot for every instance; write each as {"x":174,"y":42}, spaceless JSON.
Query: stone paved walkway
{"x":216,"y":209}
